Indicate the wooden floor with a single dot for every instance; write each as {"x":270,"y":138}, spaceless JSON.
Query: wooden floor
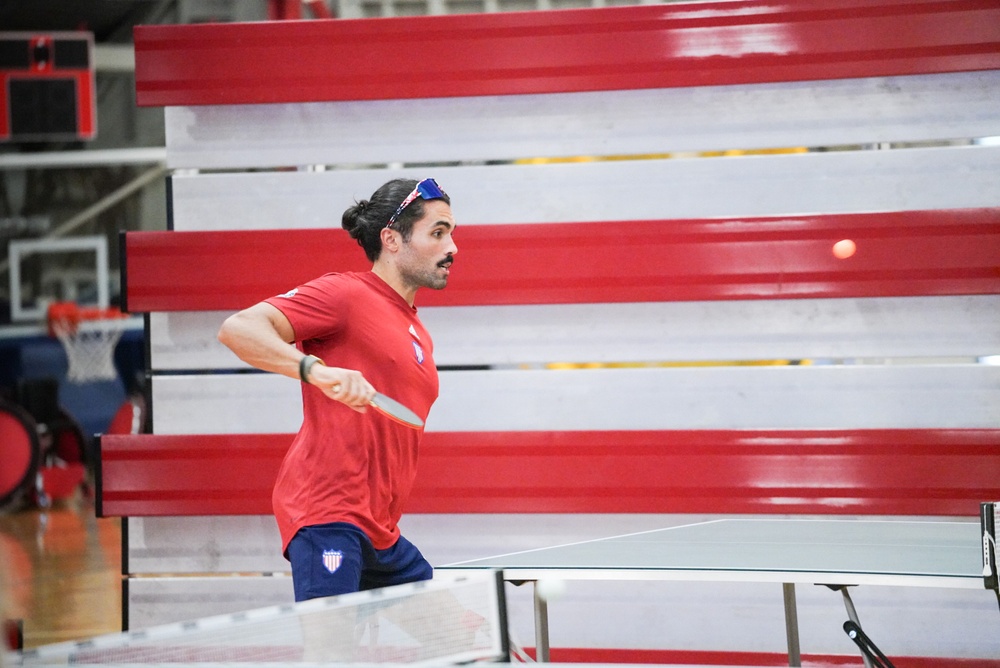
{"x":61,"y":571}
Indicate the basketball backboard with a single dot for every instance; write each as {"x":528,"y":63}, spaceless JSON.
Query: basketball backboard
{"x":40,"y":274}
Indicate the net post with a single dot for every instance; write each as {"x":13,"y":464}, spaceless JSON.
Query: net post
{"x":987,"y":517}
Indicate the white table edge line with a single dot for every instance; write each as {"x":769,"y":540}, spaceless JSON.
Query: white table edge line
{"x":970,"y":581}
{"x":583,"y":542}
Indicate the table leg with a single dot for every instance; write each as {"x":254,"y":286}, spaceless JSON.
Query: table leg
{"x":852,"y":614}
{"x":541,"y":627}
{"x":792,"y":624}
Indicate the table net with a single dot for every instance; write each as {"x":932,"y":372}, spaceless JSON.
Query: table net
{"x":450,"y":620}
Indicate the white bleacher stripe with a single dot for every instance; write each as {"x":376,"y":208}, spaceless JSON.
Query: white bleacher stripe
{"x":705,"y":331}
{"x":251,"y":403}
{"x":801,"y":397}
{"x":206,"y":544}
{"x":811,"y":113}
{"x":892,"y":327}
{"x":861,"y":397}
{"x":838,"y":182}
{"x":187,"y":340}
{"x":153,"y":601}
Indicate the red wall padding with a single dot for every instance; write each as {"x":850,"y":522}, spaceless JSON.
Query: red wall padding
{"x":891,"y":471}
{"x":612,"y":48}
{"x":905,"y":253}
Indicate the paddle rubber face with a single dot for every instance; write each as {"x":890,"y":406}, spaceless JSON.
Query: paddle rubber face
{"x":396,"y":411}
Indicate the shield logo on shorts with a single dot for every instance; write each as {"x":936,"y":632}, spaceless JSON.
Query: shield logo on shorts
{"x":332,"y":559}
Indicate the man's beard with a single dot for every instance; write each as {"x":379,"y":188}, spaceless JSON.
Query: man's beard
{"x":429,"y":279}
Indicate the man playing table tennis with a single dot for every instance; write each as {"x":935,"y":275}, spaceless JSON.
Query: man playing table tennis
{"x":343,"y":483}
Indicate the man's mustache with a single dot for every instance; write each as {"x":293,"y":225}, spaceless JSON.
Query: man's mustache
{"x":447,"y":262}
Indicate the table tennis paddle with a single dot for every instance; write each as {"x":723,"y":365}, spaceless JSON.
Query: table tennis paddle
{"x":396,"y":411}
{"x":393,"y":410}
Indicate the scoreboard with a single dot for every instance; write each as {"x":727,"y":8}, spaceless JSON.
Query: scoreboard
{"x":47,"y":86}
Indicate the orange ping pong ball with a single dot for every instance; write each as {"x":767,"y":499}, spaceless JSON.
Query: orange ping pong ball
{"x":844,"y":249}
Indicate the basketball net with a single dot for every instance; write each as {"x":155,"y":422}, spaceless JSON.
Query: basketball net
{"x":89,"y":337}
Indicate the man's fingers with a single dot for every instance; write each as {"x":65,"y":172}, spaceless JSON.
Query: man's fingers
{"x":356,"y":395}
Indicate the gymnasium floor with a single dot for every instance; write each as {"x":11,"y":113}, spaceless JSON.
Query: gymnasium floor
{"x":61,"y":571}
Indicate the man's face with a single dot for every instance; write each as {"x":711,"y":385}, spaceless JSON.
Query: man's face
{"x":425,"y":260}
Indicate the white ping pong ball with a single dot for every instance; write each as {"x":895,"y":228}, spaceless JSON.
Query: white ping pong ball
{"x":550,"y":589}
{"x":844,"y":249}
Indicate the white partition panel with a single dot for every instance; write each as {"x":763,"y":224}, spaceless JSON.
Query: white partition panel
{"x":627,"y":122}
{"x":849,"y":397}
{"x":204,"y":544}
{"x":758,"y":185}
{"x":808,"y":397}
{"x":797,"y":329}
{"x":708,"y":331}
{"x":150,"y":601}
{"x":188,"y":340}
{"x":240,"y":403}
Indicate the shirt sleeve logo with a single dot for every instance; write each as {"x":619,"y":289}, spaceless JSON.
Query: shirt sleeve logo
{"x":418,"y":352}
{"x":291,"y":293}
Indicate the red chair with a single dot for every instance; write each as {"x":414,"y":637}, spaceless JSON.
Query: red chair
{"x":19,"y":453}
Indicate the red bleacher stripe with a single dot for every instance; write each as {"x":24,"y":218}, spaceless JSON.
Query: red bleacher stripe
{"x":615,"y":48}
{"x":700,"y":471}
{"x":908,"y":253}
{"x":693,"y":657}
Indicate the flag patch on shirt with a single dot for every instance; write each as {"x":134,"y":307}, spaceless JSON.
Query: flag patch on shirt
{"x":332,"y":560}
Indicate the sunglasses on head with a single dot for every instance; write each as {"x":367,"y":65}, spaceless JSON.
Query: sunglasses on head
{"x":426,"y":189}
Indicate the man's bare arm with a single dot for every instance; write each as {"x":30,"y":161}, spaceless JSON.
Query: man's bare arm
{"x":262,"y":337}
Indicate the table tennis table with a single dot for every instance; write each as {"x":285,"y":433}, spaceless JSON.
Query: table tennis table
{"x":833,"y":552}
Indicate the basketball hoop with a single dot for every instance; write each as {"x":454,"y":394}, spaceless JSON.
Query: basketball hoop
{"x":89,"y":337}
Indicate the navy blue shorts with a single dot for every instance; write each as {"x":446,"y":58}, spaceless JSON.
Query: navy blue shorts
{"x":338,"y":558}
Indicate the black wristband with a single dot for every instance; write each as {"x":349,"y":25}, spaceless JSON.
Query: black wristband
{"x":305,"y":364}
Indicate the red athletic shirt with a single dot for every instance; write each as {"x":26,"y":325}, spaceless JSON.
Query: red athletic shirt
{"x":346,"y":466}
